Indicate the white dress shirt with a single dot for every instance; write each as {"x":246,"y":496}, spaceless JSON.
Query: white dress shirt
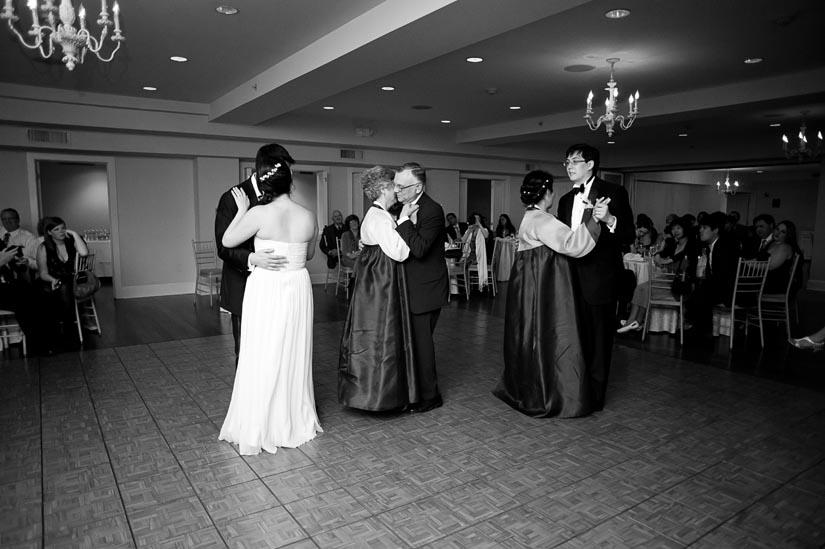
{"x":581,"y":203}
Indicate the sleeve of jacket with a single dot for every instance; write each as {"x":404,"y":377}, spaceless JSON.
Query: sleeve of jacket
{"x":429,"y":232}
{"x":237,"y":258}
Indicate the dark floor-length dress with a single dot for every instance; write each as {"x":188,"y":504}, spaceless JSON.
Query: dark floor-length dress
{"x":544,"y":368}
{"x":375,"y":367}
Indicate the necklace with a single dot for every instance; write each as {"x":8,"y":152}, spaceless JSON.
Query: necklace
{"x":533,"y":207}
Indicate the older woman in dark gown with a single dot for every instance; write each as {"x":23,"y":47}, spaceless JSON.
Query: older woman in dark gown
{"x":375,"y":370}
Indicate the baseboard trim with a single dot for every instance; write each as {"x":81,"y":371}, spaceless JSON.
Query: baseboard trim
{"x":154,"y":290}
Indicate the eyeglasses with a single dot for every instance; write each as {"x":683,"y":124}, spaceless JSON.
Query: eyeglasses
{"x":568,"y":162}
{"x":402,"y":187}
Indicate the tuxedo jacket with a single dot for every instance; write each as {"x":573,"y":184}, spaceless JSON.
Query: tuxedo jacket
{"x":461,"y":225}
{"x":598,"y":271}
{"x":235,"y":260}
{"x":720,"y":272}
{"x":426,"y":268}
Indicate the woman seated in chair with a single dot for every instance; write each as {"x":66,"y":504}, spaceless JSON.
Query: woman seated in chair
{"x":646,"y":235}
{"x":780,"y":254}
{"x":505,"y":228}
{"x":474,"y":229}
{"x":55,"y":266}
{"x":350,"y":241}
{"x":676,"y":260}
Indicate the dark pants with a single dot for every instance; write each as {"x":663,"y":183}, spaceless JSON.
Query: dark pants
{"x":423,"y":326}
{"x":236,"y":335}
{"x":19,"y":298}
{"x":598,"y":328}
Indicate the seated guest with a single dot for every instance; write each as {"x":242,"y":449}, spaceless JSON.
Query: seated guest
{"x":646,"y":235}
{"x":16,"y":294}
{"x":505,"y":228}
{"x":720,"y":272}
{"x":455,"y":228}
{"x":780,"y":254}
{"x":350,"y":241}
{"x":475,"y":229}
{"x":330,"y":233}
{"x":756,"y":247}
{"x":55,"y":265}
{"x":12,"y":235}
{"x":681,"y":260}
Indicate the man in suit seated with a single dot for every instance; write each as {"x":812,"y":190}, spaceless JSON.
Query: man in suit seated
{"x":331,"y":232}
{"x":455,"y":229}
{"x":720,"y":272}
{"x":757,"y":245}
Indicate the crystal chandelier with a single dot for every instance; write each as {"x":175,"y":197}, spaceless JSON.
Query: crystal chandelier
{"x":727,"y":188}
{"x":610,"y":118}
{"x":74,"y":42}
{"x":802,"y":151}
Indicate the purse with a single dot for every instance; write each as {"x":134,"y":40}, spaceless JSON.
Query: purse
{"x":85,"y":284}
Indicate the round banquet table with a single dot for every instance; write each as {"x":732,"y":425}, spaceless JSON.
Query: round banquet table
{"x":506,"y":255}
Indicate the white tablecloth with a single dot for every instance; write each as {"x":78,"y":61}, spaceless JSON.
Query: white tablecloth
{"x":640,"y":268}
{"x":506,"y":254}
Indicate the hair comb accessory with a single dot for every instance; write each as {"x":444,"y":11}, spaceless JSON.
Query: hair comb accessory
{"x":271,"y":172}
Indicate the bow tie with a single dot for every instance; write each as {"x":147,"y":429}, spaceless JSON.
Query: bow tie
{"x":580,"y":189}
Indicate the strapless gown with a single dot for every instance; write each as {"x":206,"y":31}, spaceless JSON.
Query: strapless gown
{"x":273,"y":400}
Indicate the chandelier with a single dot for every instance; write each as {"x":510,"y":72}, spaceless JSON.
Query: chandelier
{"x":727,"y":188}
{"x":74,"y":42}
{"x":610,"y":118}
{"x":802,"y":150}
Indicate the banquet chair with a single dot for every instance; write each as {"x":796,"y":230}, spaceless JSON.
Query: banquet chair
{"x":777,"y":307}
{"x":456,"y":269}
{"x":10,"y":331}
{"x":85,"y":312}
{"x":474,"y":274}
{"x":660,"y":296}
{"x":345,"y":274}
{"x":747,"y":291}
{"x":207,"y":272}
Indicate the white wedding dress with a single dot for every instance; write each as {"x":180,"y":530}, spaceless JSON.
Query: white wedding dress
{"x":273,"y":401}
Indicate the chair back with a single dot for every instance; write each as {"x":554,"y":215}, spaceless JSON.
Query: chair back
{"x":340,"y":264}
{"x":496,"y":254}
{"x":84,"y":263}
{"x":750,"y":279}
{"x":792,"y":288}
{"x":206,"y":254}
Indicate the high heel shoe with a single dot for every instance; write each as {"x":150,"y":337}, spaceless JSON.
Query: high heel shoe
{"x":631,"y":327}
{"x":806,"y":343}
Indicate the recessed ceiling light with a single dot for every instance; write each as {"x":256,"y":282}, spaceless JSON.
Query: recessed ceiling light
{"x":446,"y":121}
{"x":474,"y":59}
{"x":387,"y":88}
{"x":682,"y":135}
{"x":611,"y":142}
{"x":226,"y":10}
{"x":150,"y":88}
{"x":775,"y":125}
{"x":617,"y":13}
{"x":753,"y":60}
{"x":759,"y":171}
{"x":179,"y":59}
{"x":328,"y":107}
{"x":515,"y":108}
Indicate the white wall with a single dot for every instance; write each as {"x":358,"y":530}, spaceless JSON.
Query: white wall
{"x":15,"y":190}
{"x":77,"y":193}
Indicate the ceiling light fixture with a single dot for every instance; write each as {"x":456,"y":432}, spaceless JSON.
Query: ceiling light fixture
{"x":328,"y":108}
{"x":775,"y":125}
{"x":802,"y":150}
{"x":753,"y":60}
{"x":610,"y":118}
{"x":683,"y":135}
{"x":726,"y":188}
{"x":179,"y":59}
{"x":515,"y":108}
{"x":74,"y":42}
{"x":226,"y":10}
{"x":617,"y":13}
{"x":150,"y":88}
{"x":474,"y":59}
{"x":387,"y":88}
{"x":446,"y":121}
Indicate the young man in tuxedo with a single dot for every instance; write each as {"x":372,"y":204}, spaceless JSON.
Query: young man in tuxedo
{"x":329,"y":235}
{"x":238,"y":262}
{"x":421,"y":225}
{"x":597,"y":272}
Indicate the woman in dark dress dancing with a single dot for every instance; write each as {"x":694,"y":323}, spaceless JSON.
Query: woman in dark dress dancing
{"x":375,"y":370}
{"x":543,"y":360}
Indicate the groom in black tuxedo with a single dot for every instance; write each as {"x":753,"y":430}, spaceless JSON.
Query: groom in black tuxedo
{"x":598,"y":271}
{"x":239,"y":261}
{"x":421,"y":225}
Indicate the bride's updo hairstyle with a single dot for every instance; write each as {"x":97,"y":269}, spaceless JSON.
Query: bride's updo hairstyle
{"x":535,"y":186}
{"x":272,"y":166}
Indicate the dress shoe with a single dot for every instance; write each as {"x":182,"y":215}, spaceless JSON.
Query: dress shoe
{"x":806,"y":343}
{"x":631,"y":327}
{"x":426,"y":405}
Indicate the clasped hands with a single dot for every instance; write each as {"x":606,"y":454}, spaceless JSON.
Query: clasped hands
{"x":601,"y":211}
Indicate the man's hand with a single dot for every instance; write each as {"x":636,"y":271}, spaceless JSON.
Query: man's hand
{"x":601,"y":212}
{"x":409,"y":210}
{"x":266,"y":259}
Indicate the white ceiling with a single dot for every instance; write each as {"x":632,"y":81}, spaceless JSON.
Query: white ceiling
{"x":277,"y":62}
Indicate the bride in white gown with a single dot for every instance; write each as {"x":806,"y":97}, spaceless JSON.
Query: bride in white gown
{"x":273,"y":401}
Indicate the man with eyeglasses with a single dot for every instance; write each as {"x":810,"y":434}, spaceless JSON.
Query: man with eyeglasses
{"x":421,"y":225}
{"x":598,"y":271}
